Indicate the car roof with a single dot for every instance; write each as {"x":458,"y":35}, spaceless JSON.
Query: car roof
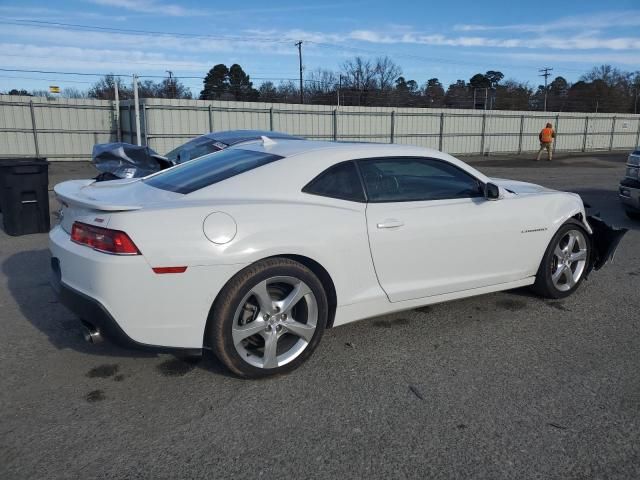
{"x":233,"y":137}
{"x":288,"y":148}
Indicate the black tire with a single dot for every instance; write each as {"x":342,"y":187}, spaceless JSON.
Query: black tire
{"x":632,"y":214}
{"x":544,"y":285}
{"x":228,"y":304}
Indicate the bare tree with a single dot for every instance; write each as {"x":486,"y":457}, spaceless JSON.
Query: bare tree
{"x":608,"y":74}
{"x":322,"y":87}
{"x":386,"y":72}
{"x":359,"y":75}
{"x":103,"y":89}
{"x":268,"y":92}
{"x":72,"y":92}
{"x":288,"y":92}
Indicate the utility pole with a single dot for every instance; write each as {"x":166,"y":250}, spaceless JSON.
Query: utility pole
{"x":172,"y":91}
{"x":545,"y":72}
{"x":299,"y":45}
{"x":340,"y":87}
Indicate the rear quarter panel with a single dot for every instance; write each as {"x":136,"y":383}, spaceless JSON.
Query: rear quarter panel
{"x":329,"y":231}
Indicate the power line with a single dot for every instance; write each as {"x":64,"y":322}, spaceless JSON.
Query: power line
{"x":76,"y":26}
{"x":127,"y":75}
{"x":235,"y":38}
{"x":123,"y":61}
{"x":45,"y":79}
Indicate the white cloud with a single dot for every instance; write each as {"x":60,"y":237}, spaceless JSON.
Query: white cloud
{"x":586,"y":41}
{"x":83,"y":59}
{"x":26,"y":11}
{"x":148,"y":43}
{"x":601,"y":20}
{"x":168,"y":9}
{"x":150,"y":6}
{"x":585,"y":58}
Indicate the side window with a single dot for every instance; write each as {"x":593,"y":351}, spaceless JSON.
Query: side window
{"x":416,"y":179}
{"x":339,"y":181}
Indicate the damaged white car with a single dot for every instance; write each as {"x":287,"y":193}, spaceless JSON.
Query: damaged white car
{"x":255,"y":250}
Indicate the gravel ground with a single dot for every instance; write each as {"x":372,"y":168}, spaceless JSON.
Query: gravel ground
{"x":505,"y":385}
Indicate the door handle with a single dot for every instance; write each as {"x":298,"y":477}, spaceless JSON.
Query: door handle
{"x":390,"y":223}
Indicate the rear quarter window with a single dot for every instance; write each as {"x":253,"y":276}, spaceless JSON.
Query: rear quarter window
{"x":210,"y":169}
{"x":340,"y":181}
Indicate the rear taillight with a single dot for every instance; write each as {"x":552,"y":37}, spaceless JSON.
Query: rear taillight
{"x":103,"y":239}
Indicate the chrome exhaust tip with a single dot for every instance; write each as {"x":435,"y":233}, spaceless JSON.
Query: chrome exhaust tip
{"x":91,"y":334}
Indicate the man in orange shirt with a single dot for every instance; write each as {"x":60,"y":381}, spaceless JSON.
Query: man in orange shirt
{"x":546,"y":137}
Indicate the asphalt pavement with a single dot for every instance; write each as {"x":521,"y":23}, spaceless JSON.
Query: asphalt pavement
{"x":501,"y":386}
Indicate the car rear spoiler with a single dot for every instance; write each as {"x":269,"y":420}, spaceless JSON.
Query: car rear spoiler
{"x":71,"y":193}
{"x":604,"y":240}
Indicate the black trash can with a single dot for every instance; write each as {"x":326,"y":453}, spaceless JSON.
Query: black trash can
{"x":24,"y":195}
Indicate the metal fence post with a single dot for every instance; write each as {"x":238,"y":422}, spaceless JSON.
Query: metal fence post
{"x":144,"y":123}
{"x":638,"y":135}
{"x":586,"y":132}
{"x":521,"y":133}
{"x":613,"y":130}
{"x":482,"y":138}
{"x":130,"y":124}
{"x":441,"y":136}
{"x":271,"y":119}
{"x":393,"y":126}
{"x":117,"y":112}
{"x":210,"y":118}
{"x":335,"y":124}
{"x":556,"y":130}
{"x":35,"y":129}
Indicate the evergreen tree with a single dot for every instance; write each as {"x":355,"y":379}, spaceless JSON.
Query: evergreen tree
{"x":216,"y":83}
{"x":240,"y":84}
{"x":434,"y":93}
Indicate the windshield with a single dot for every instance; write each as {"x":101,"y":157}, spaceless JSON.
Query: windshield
{"x":210,"y":169}
{"x":193,"y":149}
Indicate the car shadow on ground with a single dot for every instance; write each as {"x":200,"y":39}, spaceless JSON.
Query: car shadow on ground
{"x":28,"y":275}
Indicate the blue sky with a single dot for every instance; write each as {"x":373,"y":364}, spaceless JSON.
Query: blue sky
{"x":447,"y":40}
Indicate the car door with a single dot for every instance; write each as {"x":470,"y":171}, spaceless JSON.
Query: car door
{"x":431,"y":230}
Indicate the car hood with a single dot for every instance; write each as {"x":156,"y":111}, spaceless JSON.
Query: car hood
{"x":519,"y":188}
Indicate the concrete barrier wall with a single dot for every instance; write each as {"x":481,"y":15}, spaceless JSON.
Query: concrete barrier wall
{"x":66,"y":129}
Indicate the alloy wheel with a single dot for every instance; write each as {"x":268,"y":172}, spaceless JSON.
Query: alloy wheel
{"x":569,"y":260}
{"x":275,"y":322}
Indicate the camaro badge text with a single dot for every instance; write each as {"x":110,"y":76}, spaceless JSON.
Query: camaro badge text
{"x":534,"y":230}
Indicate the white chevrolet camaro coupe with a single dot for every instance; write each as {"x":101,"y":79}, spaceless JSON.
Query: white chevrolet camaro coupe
{"x":252,"y":252}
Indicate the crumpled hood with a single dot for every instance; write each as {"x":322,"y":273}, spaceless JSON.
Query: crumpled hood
{"x":520,"y":187}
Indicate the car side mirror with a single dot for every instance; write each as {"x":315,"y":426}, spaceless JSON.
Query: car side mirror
{"x":491,"y":191}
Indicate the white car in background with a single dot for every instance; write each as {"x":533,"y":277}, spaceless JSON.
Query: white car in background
{"x":255,"y":250}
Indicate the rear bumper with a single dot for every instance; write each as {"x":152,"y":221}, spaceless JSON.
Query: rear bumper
{"x":128,"y":302}
{"x":629,"y":194}
{"x":93,"y":314}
